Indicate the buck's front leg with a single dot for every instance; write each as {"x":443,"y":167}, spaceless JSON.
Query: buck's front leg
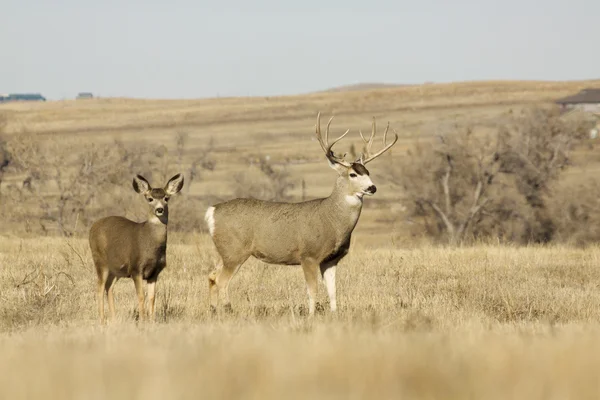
{"x":311,"y":269}
{"x":328,"y":274}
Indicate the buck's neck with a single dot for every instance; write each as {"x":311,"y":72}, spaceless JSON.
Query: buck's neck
{"x":156,"y":227}
{"x":343,"y":207}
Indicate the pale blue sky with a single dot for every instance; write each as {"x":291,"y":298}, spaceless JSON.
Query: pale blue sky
{"x":193,"y":49}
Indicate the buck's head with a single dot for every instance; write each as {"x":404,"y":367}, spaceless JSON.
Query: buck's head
{"x":158,"y":198}
{"x":354,"y":177}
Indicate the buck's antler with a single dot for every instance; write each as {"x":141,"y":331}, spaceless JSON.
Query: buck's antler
{"x":371,"y":157}
{"x":325,"y":143}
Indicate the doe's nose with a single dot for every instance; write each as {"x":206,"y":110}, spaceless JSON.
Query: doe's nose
{"x":372,"y":189}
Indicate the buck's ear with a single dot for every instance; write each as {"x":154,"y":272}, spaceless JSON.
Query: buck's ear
{"x":141,"y":185}
{"x":337,"y":167}
{"x":174,"y":185}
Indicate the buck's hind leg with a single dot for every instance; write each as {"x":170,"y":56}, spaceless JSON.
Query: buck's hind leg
{"x":213,"y":289}
{"x":219,"y":280}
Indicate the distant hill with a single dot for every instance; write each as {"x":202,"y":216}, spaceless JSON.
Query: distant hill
{"x":366,"y":86}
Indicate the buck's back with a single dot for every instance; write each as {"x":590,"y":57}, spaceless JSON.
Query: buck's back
{"x":274,"y":232}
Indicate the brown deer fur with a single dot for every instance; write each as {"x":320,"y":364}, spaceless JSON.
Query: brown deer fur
{"x":122,"y":248}
{"x":315,"y":234}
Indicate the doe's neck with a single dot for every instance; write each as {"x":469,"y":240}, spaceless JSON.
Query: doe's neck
{"x":156,"y":225}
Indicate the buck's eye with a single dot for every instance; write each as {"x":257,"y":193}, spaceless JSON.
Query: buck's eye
{"x":352,"y":175}
{"x":150,"y":200}
{"x":166,"y":199}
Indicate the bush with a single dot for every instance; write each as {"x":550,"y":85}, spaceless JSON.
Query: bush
{"x":465,"y":185}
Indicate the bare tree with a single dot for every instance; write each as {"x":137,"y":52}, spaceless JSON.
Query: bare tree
{"x":64,"y":178}
{"x":5,"y":155}
{"x":201,"y":160}
{"x":66,"y":183}
{"x":264,"y":180}
{"x":464,"y":182}
{"x":451,"y":178}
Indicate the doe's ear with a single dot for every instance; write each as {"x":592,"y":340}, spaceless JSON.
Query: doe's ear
{"x":174,"y":185}
{"x":141,"y":185}
{"x":337,"y":167}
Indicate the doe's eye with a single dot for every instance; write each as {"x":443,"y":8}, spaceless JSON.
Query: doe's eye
{"x":352,"y":175}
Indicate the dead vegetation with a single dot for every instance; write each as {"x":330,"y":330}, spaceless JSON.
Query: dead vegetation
{"x":499,"y":184}
{"x":414,"y":321}
{"x":65,"y":165}
{"x":63,"y":185}
{"x":484,"y":321}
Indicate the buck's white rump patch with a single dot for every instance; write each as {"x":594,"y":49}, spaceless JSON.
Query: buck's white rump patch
{"x":209,"y":217}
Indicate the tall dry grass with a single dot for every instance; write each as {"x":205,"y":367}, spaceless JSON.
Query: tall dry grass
{"x":479,"y":322}
{"x":414,"y":321}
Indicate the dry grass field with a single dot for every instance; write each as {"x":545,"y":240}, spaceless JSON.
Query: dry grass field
{"x":484,"y":322}
{"x":414,"y":320}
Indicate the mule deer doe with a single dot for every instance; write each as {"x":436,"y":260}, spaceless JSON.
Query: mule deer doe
{"x":314,"y":234}
{"x":122,"y":248}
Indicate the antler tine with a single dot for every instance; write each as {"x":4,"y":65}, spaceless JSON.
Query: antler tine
{"x":325,"y":145}
{"x":370,"y":143}
{"x":329,"y":146}
{"x":318,"y":133}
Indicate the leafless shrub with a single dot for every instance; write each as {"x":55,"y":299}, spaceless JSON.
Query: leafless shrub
{"x":43,"y":296}
{"x":263,"y":180}
{"x":202,"y":159}
{"x":476,"y":185}
{"x":62,"y":179}
{"x":65,"y":185}
{"x":575,"y":207}
{"x":5,"y":154}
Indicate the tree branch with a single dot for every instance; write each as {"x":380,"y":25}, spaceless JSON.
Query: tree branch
{"x":446,"y":185}
{"x":449,"y":225}
{"x":475,"y":208}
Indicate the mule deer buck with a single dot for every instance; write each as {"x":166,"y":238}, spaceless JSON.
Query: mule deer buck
{"x":314,"y":234}
{"x":122,"y":248}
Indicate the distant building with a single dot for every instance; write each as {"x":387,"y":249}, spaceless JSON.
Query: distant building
{"x":21,"y":97}
{"x":583,"y":108}
{"x":84,"y":95}
{"x":586,"y":100}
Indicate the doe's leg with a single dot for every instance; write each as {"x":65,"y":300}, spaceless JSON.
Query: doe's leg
{"x":102,"y":278}
{"x":151,"y":298}
{"x":139,"y":288}
{"x":108,"y":287}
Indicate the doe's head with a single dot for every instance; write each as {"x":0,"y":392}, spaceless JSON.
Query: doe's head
{"x":158,"y":198}
{"x":355,"y":174}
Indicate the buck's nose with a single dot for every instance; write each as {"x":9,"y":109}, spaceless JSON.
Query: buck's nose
{"x":160,"y":211}
{"x":372,"y":189}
